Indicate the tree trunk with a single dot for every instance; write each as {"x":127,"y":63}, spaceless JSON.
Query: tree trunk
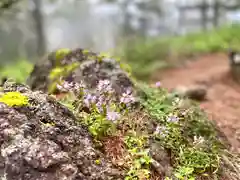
{"x":216,"y":13}
{"x":39,"y":25}
{"x":204,"y":9}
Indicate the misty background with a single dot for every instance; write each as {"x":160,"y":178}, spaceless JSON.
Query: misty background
{"x":97,"y":24}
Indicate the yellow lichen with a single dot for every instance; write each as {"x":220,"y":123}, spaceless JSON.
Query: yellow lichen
{"x":50,"y":124}
{"x":98,"y":161}
{"x":14,"y":99}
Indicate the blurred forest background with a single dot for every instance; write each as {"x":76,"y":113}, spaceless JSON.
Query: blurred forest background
{"x":147,"y":34}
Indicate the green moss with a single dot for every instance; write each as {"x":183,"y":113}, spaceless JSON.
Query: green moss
{"x":61,"y":53}
{"x":14,"y":99}
{"x":126,"y":68}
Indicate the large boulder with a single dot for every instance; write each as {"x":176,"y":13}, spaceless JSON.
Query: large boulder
{"x":41,"y":139}
{"x":78,"y":66}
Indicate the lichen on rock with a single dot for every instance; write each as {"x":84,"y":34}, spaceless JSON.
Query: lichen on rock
{"x":31,"y":149}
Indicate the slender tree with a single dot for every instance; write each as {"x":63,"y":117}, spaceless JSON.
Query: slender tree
{"x":39,"y":26}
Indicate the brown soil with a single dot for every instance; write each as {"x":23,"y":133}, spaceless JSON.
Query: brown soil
{"x":223,"y":98}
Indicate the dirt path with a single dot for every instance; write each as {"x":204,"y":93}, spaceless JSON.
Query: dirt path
{"x":223,"y":99}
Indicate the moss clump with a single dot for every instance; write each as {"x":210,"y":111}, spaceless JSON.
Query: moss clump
{"x":14,"y":99}
{"x":61,"y":53}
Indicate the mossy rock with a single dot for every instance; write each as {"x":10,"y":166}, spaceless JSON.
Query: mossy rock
{"x":75,"y":66}
{"x":165,"y":137}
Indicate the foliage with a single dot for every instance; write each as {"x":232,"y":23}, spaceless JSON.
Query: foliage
{"x":183,"y":131}
{"x":14,"y":99}
{"x":151,"y":54}
{"x":187,"y":133}
{"x":140,"y":158}
{"x":18,"y":71}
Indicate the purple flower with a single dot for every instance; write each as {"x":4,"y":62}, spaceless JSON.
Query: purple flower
{"x":173,"y":119}
{"x":78,"y":86}
{"x":161,"y":130}
{"x":127,"y":98}
{"x":88,"y":100}
{"x":158,"y":84}
{"x":99,"y":106}
{"x":113,"y":116}
{"x":65,"y":86}
{"x":104,"y":86}
{"x":70,"y":86}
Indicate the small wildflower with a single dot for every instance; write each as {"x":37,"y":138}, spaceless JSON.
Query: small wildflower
{"x":99,"y":106}
{"x":158,"y":84}
{"x":198,"y":140}
{"x":173,"y":119}
{"x":80,"y":85}
{"x":161,"y":130}
{"x":104,"y":86}
{"x":113,"y":116}
{"x":69,"y":86}
{"x":88,"y":99}
{"x":127,"y":98}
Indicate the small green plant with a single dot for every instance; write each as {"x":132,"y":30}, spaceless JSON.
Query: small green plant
{"x":99,"y":126}
{"x":14,"y":99}
{"x":140,"y":158}
{"x":185,"y":173}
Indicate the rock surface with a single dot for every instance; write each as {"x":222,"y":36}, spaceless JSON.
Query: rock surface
{"x":44,"y":141}
{"x":92,"y":68}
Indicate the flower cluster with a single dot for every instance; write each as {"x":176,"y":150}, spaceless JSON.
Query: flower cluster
{"x":162,"y":131}
{"x":70,"y":87}
{"x":172,"y":119}
{"x":127,"y":98}
{"x":102,"y":100}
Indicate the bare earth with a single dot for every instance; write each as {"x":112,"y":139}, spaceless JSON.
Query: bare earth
{"x":223,"y":99}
